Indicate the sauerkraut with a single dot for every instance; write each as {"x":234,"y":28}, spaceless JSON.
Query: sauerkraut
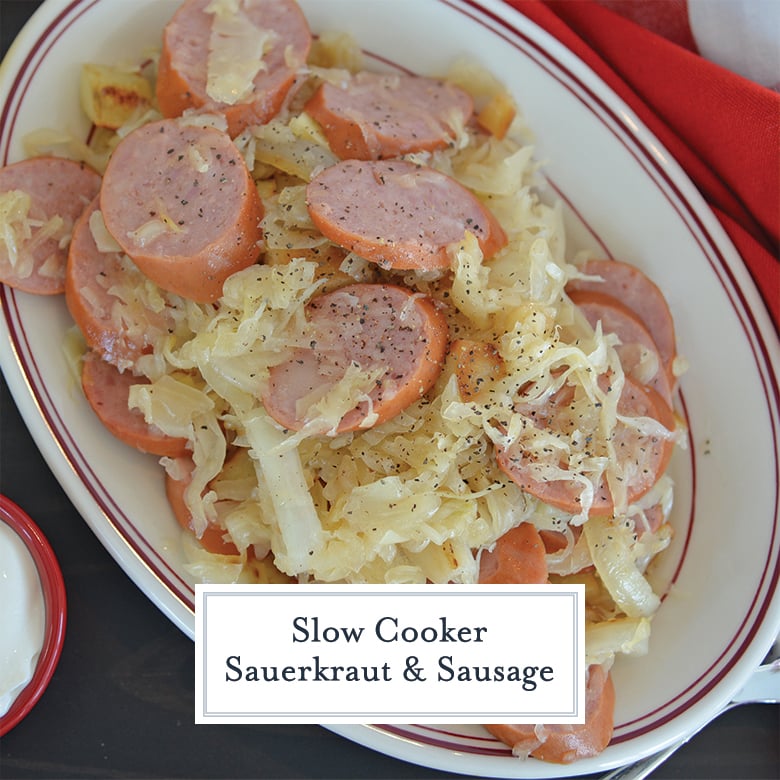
{"x":236,"y":50}
{"x":18,"y":227}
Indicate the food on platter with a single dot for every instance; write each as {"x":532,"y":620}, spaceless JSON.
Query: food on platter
{"x":362,"y":352}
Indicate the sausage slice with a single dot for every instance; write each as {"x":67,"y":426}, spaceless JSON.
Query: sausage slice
{"x":102,"y":295}
{"x":399,"y":214}
{"x":265,"y":41}
{"x":634,"y":289}
{"x":562,"y":744}
{"x":213,"y":538}
{"x":182,"y":204}
{"x":637,"y":345}
{"x":107,"y":391}
{"x":643,"y":457}
{"x":400,"y":334}
{"x":373,"y":116}
{"x":40,"y":199}
{"x":518,"y":557}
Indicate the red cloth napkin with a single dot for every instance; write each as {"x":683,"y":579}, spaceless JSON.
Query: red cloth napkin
{"x":723,"y":129}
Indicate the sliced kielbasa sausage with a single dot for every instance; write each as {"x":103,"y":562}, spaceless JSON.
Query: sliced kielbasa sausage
{"x":182,"y":204}
{"x":373,"y":116}
{"x":107,"y":391}
{"x":213,"y":538}
{"x":390,"y":330}
{"x":642,"y":457}
{"x":519,"y":557}
{"x":239,"y":59}
{"x":40,"y":200}
{"x":102,"y":293}
{"x":634,"y":289}
{"x":637,"y":350}
{"x":562,"y":744}
{"x":399,"y":214}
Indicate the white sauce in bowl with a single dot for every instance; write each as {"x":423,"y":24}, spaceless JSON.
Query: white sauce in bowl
{"x":22,"y":613}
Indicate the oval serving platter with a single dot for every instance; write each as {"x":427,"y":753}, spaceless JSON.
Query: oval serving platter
{"x":624,"y":197}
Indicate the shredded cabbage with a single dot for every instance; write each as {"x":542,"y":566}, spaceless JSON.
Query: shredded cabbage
{"x":21,"y":234}
{"x":15,"y":227}
{"x":628,"y":636}
{"x":236,"y":49}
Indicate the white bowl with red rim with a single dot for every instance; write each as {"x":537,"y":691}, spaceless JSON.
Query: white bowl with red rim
{"x":52,"y":591}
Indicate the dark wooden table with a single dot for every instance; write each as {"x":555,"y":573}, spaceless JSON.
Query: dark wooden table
{"x":121,"y":704}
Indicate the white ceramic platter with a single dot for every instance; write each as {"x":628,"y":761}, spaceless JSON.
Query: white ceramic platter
{"x":625,"y":196}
